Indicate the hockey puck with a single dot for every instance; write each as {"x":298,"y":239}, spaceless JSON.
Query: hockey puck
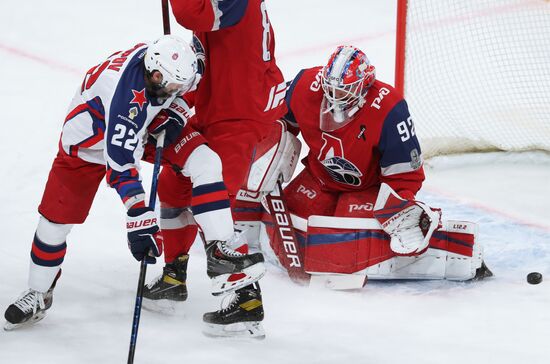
{"x":534,"y":278}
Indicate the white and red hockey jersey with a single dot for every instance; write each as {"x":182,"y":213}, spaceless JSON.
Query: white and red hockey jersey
{"x":108,"y":117}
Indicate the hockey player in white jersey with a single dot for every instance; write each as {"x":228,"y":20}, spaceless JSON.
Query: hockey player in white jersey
{"x":126,"y":99}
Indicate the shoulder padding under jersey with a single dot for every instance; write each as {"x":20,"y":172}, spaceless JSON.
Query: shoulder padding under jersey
{"x":289,"y":117}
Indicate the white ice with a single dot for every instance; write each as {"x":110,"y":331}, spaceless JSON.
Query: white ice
{"x":45,"y":48}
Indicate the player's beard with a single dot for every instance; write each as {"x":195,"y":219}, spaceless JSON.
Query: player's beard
{"x":157,"y":91}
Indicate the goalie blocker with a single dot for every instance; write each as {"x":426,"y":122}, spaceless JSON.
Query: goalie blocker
{"x":407,"y":243}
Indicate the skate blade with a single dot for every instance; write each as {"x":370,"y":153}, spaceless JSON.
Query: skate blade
{"x":33,"y":320}
{"x":163,"y":306}
{"x":222,"y":285}
{"x":239,"y":330}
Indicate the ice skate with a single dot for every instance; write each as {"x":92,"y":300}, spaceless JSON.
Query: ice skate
{"x":169,"y":289}
{"x":231,"y":270}
{"x":29,"y":308}
{"x":240,"y":318}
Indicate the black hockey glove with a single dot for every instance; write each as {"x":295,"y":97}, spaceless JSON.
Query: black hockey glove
{"x":172,"y":126}
{"x":144,"y":236}
{"x":171,"y":120}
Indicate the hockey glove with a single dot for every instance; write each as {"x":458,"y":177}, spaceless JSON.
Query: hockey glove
{"x":144,"y":235}
{"x":171,"y":120}
{"x":409,"y":223}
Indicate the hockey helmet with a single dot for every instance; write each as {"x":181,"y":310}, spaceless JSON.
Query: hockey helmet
{"x":346,"y":80}
{"x":176,"y":61}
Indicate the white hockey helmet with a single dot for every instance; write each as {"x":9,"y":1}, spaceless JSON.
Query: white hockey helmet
{"x":175,"y":60}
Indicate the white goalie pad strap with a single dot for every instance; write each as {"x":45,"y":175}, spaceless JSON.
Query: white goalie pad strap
{"x":299,"y":223}
{"x":343,"y":222}
{"x":402,"y":220}
{"x":279,"y":161}
{"x":290,"y":158}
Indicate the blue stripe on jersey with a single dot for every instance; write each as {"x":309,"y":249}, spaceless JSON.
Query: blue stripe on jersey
{"x":97,"y":105}
{"x":130,"y":189}
{"x":321,"y":239}
{"x":126,"y":183}
{"x":210,"y":206}
{"x":232,"y":11}
{"x":397,"y":140}
{"x":290,"y":115}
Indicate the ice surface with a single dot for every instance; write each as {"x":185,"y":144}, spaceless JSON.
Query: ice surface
{"x":45,"y":48}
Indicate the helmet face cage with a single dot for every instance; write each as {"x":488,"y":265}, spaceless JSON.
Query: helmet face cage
{"x":347,"y":77}
{"x":342,"y":95}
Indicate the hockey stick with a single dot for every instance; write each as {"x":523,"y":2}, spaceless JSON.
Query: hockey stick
{"x":143,"y":264}
{"x":289,"y":253}
{"x":152,"y":201}
{"x":165,"y":17}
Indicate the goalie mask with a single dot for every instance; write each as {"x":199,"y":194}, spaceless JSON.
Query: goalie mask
{"x":346,"y":80}
{"x":176,"y":61}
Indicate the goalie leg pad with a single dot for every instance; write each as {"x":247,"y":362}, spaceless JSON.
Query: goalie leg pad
{"x":453,"y":254}
{"x":344,"y":245}
{"x":275,"y":157}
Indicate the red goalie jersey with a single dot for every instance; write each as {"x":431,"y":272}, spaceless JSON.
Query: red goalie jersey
{"x":379,"y":145}
{"x":237,"y":39}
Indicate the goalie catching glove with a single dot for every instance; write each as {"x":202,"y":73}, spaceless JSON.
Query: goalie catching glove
{"x":409,"y":223}
{"x":144,"y":236}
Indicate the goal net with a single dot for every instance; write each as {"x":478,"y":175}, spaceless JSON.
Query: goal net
{"x":476,"y":73}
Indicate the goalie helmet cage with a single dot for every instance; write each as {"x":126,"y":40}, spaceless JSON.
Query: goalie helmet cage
{"x":475,"y":73}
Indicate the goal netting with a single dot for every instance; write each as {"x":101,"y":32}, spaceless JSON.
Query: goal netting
{"x":476,"y":73}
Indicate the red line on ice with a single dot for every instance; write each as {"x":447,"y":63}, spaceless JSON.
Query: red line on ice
{"x":39,"y":59}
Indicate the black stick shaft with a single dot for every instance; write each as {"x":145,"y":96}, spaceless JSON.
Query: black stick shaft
{"x":165,"y":17}
{"x":143,"y":264}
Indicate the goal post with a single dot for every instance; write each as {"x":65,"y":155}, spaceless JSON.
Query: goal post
{"x":475,"y":73}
